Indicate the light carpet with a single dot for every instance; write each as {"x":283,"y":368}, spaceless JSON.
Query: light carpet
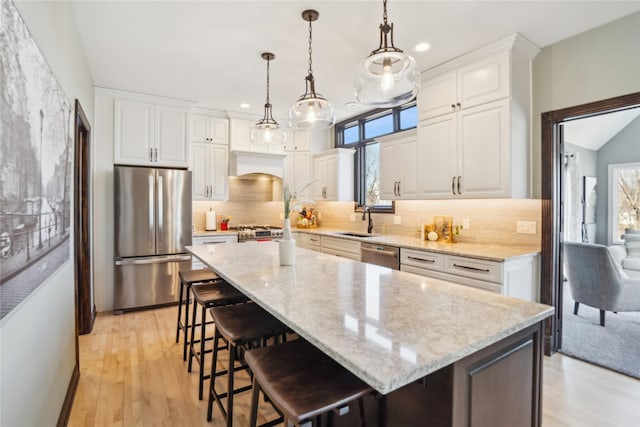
{"x":616,"y":346}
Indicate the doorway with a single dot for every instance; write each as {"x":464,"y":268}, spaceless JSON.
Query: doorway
{"x":85,"y":307}
{"x":552,"y":161}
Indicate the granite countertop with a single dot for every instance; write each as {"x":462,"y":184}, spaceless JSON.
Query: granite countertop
{"x":486,"y":251}
{"x":388,"y":327}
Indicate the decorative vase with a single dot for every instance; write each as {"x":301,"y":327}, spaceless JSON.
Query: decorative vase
{"x":286,"y":229}
{"x":287,"y":252}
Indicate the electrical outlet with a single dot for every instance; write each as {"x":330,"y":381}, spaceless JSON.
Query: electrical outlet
{"x":526,"y":227}
{"x":466,"y":223}
{"x":281,"y":215}
{"x":352,"y":217}
{"x":397,"y":220}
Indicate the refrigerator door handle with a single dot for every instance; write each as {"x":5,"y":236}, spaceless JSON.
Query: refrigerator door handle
{"x":153,"y":260}
{"x":152,"y":205}
{"x":160,"y":209}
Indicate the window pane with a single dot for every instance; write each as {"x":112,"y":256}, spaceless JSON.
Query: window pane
{"x":380,"y":126}
{"x":350,"y":134}
{"x":628,"y":197}
{"x":372,"y":173}
{"x":409,"y":117}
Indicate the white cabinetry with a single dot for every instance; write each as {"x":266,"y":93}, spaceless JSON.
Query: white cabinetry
{"x":340,"y":247}
{"x":309,"y":241}
{"x":210,"y":240}
{"x":474,"y":129}
{"x":150,"y":134}
{"x":516,"y":277}
{"x":209,"y":157}
{"x":297,"y":164}
{"x":398,"y":166}
{"x":333,"y":172}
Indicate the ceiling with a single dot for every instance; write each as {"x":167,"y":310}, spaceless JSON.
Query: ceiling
{"x":593,"y":132}
{"x":208,"y":52}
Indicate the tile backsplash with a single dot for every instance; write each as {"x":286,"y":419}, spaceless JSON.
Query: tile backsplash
{"x":492,"y":221}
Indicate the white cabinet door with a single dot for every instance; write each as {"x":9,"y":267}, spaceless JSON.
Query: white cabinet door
{"x":320,"y":174}
{"x":219,"y":171}
{"x":331,"y":179}
{"x":302,"y":174}
{"x":171,"y":139}
{"x":437,"y":154}
{"x":199,"y":128}
{"x":398,"y":161}
{"x":219,"y":130}
{"x":438,"y":95}
{"x":134,"y":132}
{"x":199,"y":165}
{"x":483,"y":81}
{"x":333,"y":172}
{"x":484,"y":151}
{"x":239,"y":135}
{"x":388,"y":171}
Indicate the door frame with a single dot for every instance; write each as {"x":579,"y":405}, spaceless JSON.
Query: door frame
{"x":551,"y":174}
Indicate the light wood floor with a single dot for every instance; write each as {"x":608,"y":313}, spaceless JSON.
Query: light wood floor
{"x":132,"y":374}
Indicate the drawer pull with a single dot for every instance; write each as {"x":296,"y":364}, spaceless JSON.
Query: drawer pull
{"x":421,"y":259}
{"x":466,"y":267}
{"x":380,"y":251}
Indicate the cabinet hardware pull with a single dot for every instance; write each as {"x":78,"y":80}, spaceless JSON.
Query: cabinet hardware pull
{"x":156,"y":153}
{"x":432,"y":261}
{"x":466,"y":267}
{"x":458,"y":104}
{"x":453,"y":185}
{"x":453,"y":105}
{"x":459,"y":184}
{"x":151,"y":154}
{"x":399,"y":194}
{"x":375,"y":251}
{"x":214,"y":242}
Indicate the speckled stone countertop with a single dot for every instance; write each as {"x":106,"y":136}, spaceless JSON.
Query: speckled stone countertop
{"x":386,"y":326}
{"x":486,"y":251}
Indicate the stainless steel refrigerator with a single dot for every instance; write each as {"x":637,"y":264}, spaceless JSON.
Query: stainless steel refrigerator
{"x":152,"y":227}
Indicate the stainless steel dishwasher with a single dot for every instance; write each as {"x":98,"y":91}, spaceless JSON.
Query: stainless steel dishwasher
{"x":386,"y":256}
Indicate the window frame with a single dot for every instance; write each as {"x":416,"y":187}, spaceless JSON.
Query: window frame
{"x":359,"y":145}
{"x":612,"y":224}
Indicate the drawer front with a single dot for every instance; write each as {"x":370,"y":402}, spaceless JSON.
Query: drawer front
{"x":422,"y":259}
{"x":474,"y":268}
{"x":341,"y":245}
{"x":210,"y":240}
{"x":310,"y":241}
{"x":342,"y":254}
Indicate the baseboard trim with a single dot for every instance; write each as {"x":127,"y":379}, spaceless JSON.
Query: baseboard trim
{"x":65,"y":412}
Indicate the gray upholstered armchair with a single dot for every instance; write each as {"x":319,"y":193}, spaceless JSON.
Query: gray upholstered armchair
{"x":597,"y":279}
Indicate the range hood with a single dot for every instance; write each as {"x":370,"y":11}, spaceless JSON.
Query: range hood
{"x":250,"y":162}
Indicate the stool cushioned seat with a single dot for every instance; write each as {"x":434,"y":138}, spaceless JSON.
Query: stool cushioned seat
{"x":196,"y":276}
{"x":240,"y":324}
{"x":217,"y":293}
{"x":302,"y":381}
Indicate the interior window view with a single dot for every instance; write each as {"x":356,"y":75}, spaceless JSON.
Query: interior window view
{"x":342,"y":213}
{"x":601,"y":192}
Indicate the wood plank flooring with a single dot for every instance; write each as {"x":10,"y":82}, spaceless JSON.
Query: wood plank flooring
{"x":132,"y":374}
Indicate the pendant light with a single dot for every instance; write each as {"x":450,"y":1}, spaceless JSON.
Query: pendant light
{"x":388,"y":77}
{"x":267,"y":130}
{"x":311,"y":111}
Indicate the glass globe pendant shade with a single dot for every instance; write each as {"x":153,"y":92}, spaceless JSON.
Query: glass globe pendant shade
{"x":387,"y":79}
{"x":267,"y":133}
{"x":312,"y":113}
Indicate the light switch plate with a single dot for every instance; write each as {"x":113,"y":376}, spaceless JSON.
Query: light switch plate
{"x":466,"y":223}
{"x":397,"y":220}
{"x":526,"y":227}
{"x":352,"y":217}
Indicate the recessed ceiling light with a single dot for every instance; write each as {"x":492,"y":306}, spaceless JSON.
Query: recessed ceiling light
{"x":352,"y":104}
{"x":245,"y":105}
{"x":421,"y":47}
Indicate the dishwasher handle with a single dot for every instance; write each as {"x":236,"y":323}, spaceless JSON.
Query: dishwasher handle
{"x":380,"y":251}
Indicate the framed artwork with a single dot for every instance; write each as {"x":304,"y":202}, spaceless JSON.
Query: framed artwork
{"x":442,"y":226}
{"x":36,"y":147}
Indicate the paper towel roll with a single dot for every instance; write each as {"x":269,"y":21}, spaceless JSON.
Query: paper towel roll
{"x":210,"y":220}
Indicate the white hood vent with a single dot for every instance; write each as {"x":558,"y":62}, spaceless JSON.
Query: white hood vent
{"x":248,"y":162}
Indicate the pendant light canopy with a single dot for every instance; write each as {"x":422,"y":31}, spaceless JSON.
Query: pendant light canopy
{"x":388,"y":77}
{"x":311,"y":111}
{"x":267,"y":130}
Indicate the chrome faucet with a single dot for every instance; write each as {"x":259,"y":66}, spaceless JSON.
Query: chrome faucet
{"x":365,"y":210}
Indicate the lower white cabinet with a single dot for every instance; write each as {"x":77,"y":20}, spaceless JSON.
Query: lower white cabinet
{"x":309,"y":241}
{"x":515,"y":277}
{"x":340,"y":247}
{"x":210,"y":240}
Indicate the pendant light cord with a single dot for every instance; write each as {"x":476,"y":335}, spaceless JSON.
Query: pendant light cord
{"x":310,"y":50}
{"x":268,"y":101}
{"x":384,"y":16}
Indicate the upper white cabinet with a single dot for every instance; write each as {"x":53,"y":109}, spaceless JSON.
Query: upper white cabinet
{"x":298,"y":168}
{"x":150,"y":134}
{"x":333,"y":172}
{"x":475,"y":124}
{"x":207,"y":128}
{"x":209,"y":157}
{"x":476,"y":83}
{"x":398,"y":166}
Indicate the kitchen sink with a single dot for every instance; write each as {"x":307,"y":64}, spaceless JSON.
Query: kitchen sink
{"x":354,"y":234}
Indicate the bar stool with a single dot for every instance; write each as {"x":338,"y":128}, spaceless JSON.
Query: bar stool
{"x":241,"y":327}
{"x":208,"y":295}
{"x":303,"y":384}
{"x":188,"y":278}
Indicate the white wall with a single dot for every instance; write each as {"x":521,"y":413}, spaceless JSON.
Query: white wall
{"x":38,"y":336}
{"x":595,"y":65}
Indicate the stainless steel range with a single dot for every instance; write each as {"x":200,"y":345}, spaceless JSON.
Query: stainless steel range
{"x":261,"y":233}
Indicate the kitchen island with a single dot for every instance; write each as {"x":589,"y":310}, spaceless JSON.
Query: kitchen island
{"x":441,"y":354}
